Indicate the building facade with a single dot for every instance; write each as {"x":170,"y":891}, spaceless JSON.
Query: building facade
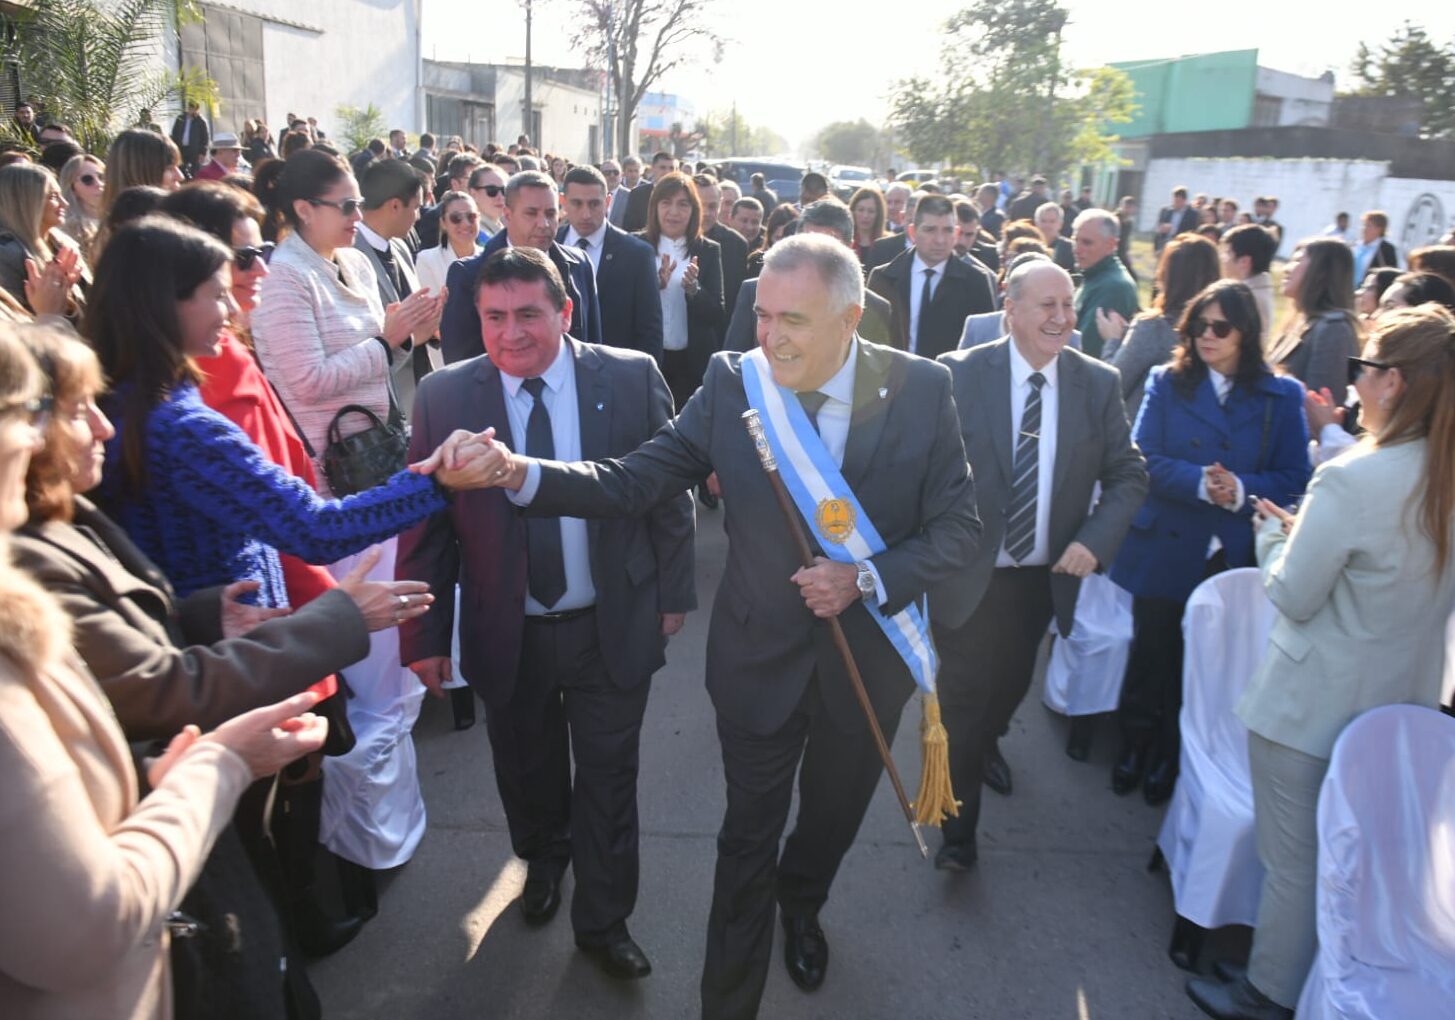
{"x":486,"y":103}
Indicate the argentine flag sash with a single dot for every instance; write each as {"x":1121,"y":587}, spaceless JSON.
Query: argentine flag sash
{"x":830,"y":507}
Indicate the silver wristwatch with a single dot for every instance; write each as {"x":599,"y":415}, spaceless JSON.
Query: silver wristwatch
{"x":865,"y":582}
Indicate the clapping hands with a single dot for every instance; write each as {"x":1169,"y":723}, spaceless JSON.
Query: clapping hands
{"x":48,"y":290}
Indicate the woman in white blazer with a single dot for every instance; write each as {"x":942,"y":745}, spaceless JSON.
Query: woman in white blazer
{"x":1364,"y":584}
{"x":459,"y":233}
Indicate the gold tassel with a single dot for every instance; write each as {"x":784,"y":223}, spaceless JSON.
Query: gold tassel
{"x":936,"y":799}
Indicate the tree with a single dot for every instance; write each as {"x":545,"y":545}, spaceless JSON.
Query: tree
{"x":93,"y":63}
{"x":728,"y":133}
{"x":852,"y":141}
{"x":1006,"y":101}
{"x":1413,"y":66}
{"x":638,"y":42}
{"x":358,"y":126}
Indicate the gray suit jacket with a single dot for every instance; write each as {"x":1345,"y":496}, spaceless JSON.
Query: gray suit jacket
{"x":640,"y":566}
{"x":906,"y":464}
{"x":617,"y":216}
{"x":403,"y":364}
{"x":1093,"y":444}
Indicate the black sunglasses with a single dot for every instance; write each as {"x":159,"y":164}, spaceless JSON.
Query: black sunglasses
{"x":91,"y":180}
{"x":1222,"y":328}
{"x":244,"y":258}
{"x":493,"y":190}
{"x":457,"y":218}
{"x":1358,"y":365}
{"x":348,"y":206}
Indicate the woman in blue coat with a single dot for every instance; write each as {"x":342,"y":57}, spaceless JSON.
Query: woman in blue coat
{"x":1218,"y":428}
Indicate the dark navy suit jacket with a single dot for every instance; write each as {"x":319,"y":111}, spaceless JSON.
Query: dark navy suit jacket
{"x":626,"y":289}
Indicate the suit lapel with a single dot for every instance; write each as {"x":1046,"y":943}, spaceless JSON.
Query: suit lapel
{"x":866,"y":418}
{"x":122,"y":582}
{"x":1205,"y":405}
{"x":492,"y":403}
{"x":385,"y":284}
{"x":995,"y":397}
{"x":1070,"y":401}
{"x":593,"y":412}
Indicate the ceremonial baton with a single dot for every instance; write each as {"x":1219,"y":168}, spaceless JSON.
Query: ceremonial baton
{"x":805,"y":553}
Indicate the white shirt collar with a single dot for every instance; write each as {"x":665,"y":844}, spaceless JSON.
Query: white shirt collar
{"x":555,"y":375}
{"x":1221,"y":383}
{"x":1020,"y":368}
{"x":920,"y":267}
{"x":840,"y":386}
{"x":596,"y":239}
{"x":376,"y":241}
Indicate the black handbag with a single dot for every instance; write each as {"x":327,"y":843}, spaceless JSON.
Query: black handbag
{"x":368,"y":458}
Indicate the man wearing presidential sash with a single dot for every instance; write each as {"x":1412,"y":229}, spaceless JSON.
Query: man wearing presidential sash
{"x":869,"y":444}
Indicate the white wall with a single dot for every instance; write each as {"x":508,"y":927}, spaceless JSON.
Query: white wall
{"x":1419,"y":211}
{"x":567,"y":115}
{"x":1306,"y":101}
{"x":1309,"y":191}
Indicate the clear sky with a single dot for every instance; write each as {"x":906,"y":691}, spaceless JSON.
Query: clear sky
{"x":838,"y":60}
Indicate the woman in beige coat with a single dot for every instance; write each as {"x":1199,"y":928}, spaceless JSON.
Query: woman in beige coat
{"x":1364,"y":583}
{"x":89,"y":869}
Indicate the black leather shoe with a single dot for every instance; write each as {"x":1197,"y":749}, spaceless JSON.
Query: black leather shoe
{"x":462,"y":702}
{"x":957,"y":857}
{"x":1126,"y":774}
{"x":1186,"y":944}
{"x":356,"y":884}
{"x":1230,"y":970}
{"x":620,"y":957}
{"x":1161,"y":780}
{"x":997,"y":772}
{"x":1078,"y":740}
{"x":542,"y":894}
{"x":317,"y":933}
{"x":805,"y":951}
{"x":1234,"y":1000}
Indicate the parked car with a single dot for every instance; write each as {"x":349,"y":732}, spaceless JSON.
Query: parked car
{"x":783,"y":178}
{"x":917,"y":176}
{"x":845,"y":180}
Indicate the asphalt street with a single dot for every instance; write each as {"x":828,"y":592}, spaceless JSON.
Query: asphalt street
{"x":1061,"y":919}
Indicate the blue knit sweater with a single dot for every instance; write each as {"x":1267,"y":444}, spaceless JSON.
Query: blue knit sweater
{"x":215,"y":510}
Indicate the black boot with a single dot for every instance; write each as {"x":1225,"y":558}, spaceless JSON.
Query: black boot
{"x":356,"y":883}
{"x":1126,"y":774}
{"x":1234,"y":1000}
{"x":1078,"y":740}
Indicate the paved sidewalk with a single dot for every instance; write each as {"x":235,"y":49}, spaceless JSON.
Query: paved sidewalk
{"x":1060,"y":920}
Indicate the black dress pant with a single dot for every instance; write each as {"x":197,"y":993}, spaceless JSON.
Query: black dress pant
{"x":565,"y":705}
{"x":1151,"y":701}
{"x":836,"y":780}
{"x":985,"y":671}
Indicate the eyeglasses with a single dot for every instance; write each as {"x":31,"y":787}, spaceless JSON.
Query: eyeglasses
{"x":243,"y":259}
{"x":348,"y":206}
{"x":37,"y":411}
{"x":493,"y":190}
{"x":1222,"y":328}
{"x":1358,"y":365}
{"x":457,"y":218}
{"x":611,"y":173}
{"x":91,"y":180}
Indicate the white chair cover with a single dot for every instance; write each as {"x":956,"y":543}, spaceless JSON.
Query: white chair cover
{"x":1207,"y":836}
{"x":1085,"y":673}
{"x":1387,"y":872}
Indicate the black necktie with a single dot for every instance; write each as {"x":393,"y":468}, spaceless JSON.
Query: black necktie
{"x":1020,"y":524}
{"x":812,"y":401}
{"x":924,"y":308}
{"x":547,"y":563}
{"x":584,"y":243}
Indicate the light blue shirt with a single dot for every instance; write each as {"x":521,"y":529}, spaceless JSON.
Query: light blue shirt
{"x":559,"y":397}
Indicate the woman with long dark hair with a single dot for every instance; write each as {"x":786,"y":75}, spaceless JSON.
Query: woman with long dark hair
{"x":1217,"y":426}
{"x":1363,"y":581}
{"x":869,"y":212}
{"x":1324,"y":331}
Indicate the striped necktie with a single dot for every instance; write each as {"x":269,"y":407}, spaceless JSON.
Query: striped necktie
{"x":1020,"y":527}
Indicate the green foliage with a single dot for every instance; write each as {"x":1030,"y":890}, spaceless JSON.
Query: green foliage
{"x":718,"y":134}
{"x":856,"y":142}
{"x":1007,"y":102}
{"x":92,"y":63}
{"x":357,"y":126}
{"x":1412,"y":65}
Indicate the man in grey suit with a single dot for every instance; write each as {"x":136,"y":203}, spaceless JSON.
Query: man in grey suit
{"x":629,"y":177}
{"x":1042,"y":425}
{"x":563,"y":621}
{"x":393,"y":195}
{"x":784,"y":704}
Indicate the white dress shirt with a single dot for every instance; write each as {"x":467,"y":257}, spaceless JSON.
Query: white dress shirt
{"x":559,"y":397}
{"x":376,"y":240}
{"x":674,"y":298}
{"x":1020,"y":388}
{"x":594,"y":242}
{"x":916,"y":290}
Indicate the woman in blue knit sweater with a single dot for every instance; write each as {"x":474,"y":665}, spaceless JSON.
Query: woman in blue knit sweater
{"x":188,"y":485}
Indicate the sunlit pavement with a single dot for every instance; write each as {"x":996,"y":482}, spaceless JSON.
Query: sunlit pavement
{"x":1060,"y":920}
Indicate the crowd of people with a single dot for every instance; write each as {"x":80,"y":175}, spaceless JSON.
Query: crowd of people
{"x":291,"y":437}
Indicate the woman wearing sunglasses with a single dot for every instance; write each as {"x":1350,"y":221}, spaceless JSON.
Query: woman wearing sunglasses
{"x":459,"y":239}
{"x":1217,"y":427}
{"x":487,"y":188}
{"x":1363,"y":584}
{"x":83,"y":182}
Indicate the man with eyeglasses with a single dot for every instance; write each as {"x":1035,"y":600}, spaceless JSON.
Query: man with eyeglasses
{"x":531,"y":211}
{"x":611,"y":170}
{"x":625,"y":266}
